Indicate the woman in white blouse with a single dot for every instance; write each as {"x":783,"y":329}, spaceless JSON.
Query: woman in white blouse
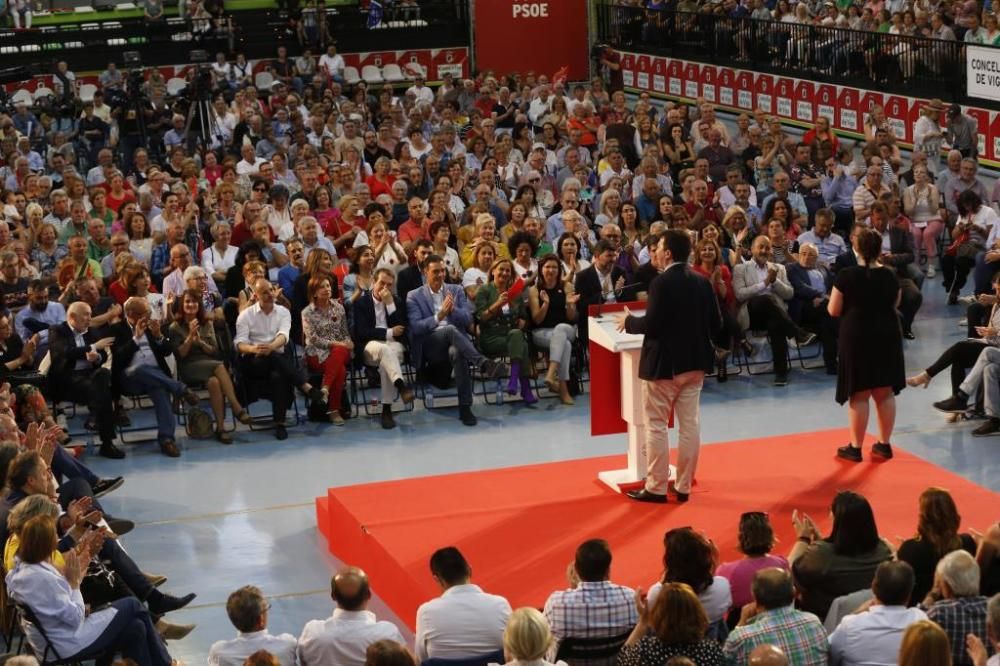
{"x":220,"y":256}
{"x":54,"y":598}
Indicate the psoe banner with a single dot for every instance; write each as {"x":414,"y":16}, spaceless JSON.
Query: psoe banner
{"x":982,"y":72}
{"x":532,"y":35}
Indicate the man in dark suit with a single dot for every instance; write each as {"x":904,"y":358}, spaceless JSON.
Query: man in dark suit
{"x":603,"y":281}
{"x":440,"y":315}
{"x":379,"y":330}
{"x":811,"y":283}
{"x":412,"y":277}
{"x":899,"y":254}
{"x":682,"y":318}
{"x":76,"y":372}
{"x":139,"y":367}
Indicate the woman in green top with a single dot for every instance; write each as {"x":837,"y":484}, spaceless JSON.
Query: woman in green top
{"x":501,"y":327}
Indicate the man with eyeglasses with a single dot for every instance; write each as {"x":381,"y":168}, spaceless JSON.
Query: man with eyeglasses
{"x":119,"y":245}
{"x":248,"y":611}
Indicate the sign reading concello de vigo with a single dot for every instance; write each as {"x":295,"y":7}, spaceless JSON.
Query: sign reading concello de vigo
{"x":982,"y":72}
{"x":801,"y":100}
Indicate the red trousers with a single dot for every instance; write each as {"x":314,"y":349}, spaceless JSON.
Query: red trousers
{"x":334,"y":370}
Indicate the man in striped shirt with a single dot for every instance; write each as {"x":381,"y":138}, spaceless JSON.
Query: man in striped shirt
{"x":594,"y":607}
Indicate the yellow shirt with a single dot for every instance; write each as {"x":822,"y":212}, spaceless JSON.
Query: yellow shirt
{"x":10,"y":550}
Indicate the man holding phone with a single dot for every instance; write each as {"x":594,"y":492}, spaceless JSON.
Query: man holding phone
{"x":682,"y":317}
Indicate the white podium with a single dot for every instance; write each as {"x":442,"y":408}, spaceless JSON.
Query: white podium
{"x":626,"y":349}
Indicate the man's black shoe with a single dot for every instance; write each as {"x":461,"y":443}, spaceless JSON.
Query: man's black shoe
{"x":119,"y":526}
{"x":109,"y":450}
{"x":781,"y":380}
{"x":952,"y":298}
{"x":909,"y":335}
{"x":990,"y":427}
{"x":280,"y":432}
{"x":159,"y":603}
{"x":466,"y":415}
{"x":644,"y":495}
{"x":105,"y":486}
{"x":848,"y":452}
{"x":388,"y":422}
{"x":683,"y":497}
{"x":883,"y":450}
{"x":956,"y":404}
{"x":169,"y":448}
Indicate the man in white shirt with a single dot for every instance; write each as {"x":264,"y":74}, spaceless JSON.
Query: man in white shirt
{"x":262,"y":331}
{"x":247,"y":610}
{"x":332,"y":64}
{"x":420,"y":91}
{"x":872,"y":638}
{"x":464,"y":621}
{"x":344,"y":637}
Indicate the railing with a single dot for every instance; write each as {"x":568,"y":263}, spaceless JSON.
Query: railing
{"x":915,"y":66}
{"x":257,"y":33}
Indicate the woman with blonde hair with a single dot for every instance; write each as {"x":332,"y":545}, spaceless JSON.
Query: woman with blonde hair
{"x":674,"y":626}
{"x":485,"y":233}
{"x":924,"y":644}
{"x":527,"y":638}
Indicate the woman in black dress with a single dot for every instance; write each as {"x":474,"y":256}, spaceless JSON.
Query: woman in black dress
{"x":870,"y":346}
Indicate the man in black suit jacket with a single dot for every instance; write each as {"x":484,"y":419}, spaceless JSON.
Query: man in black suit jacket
{"x":139,"y":367}
{"x":682,"y":317}
{"x":900,"y":255}
{"x":603,"y":281}
{"x":76,"y":372}
{"x":379,"y":331}
{"x":412,"y":277}
{"x":812,"y":283}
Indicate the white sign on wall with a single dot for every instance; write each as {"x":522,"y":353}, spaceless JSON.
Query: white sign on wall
{"x":982,"y":72}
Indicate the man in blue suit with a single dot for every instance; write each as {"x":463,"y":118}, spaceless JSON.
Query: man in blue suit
{"x":440,"y":316}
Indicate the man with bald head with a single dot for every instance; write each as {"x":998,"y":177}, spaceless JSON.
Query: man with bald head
{"x":771,"y":619}
{"x":76,"y":371}
{"x":767,"y":655}
{"x":344,"y":637}
{"x":139,"y":367}
{"x":262,"y":331}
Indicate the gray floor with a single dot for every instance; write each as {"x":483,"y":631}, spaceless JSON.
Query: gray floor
{"x":221,"y":517}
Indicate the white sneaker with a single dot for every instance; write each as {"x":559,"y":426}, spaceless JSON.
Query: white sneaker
{"x":963,"y":322}
{"x":930,"y":271}
{"x":967,"y":300}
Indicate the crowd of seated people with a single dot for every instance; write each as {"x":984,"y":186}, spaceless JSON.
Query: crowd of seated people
{"x":489,"y":215}
{"x":845,"y":598}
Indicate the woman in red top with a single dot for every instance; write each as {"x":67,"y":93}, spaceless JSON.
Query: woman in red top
{"x":322,"y":207}
{"x":381,"y":181}
{"x":708,"y":262}
{"x":117,"y":192}
{"x":822,"y":141}
{"x":212,"y":170}
{"x":583,"y":119}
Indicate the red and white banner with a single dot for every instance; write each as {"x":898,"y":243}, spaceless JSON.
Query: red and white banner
{"x":796,"y":100}
{"x":532,"y":35}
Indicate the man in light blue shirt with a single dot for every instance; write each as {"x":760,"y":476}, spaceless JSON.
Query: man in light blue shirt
{"x":838,"y":192}
{"x":873,"y":637}
{"x":40,"y":314}
{"x":829,"y":244}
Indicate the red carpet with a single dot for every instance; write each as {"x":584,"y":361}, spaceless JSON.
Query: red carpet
{"x":519,"y":526}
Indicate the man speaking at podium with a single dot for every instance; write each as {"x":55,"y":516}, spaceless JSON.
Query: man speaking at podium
{"x":682,"y":317}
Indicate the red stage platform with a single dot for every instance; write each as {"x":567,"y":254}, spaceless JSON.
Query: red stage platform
{"x":519,"y":526}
